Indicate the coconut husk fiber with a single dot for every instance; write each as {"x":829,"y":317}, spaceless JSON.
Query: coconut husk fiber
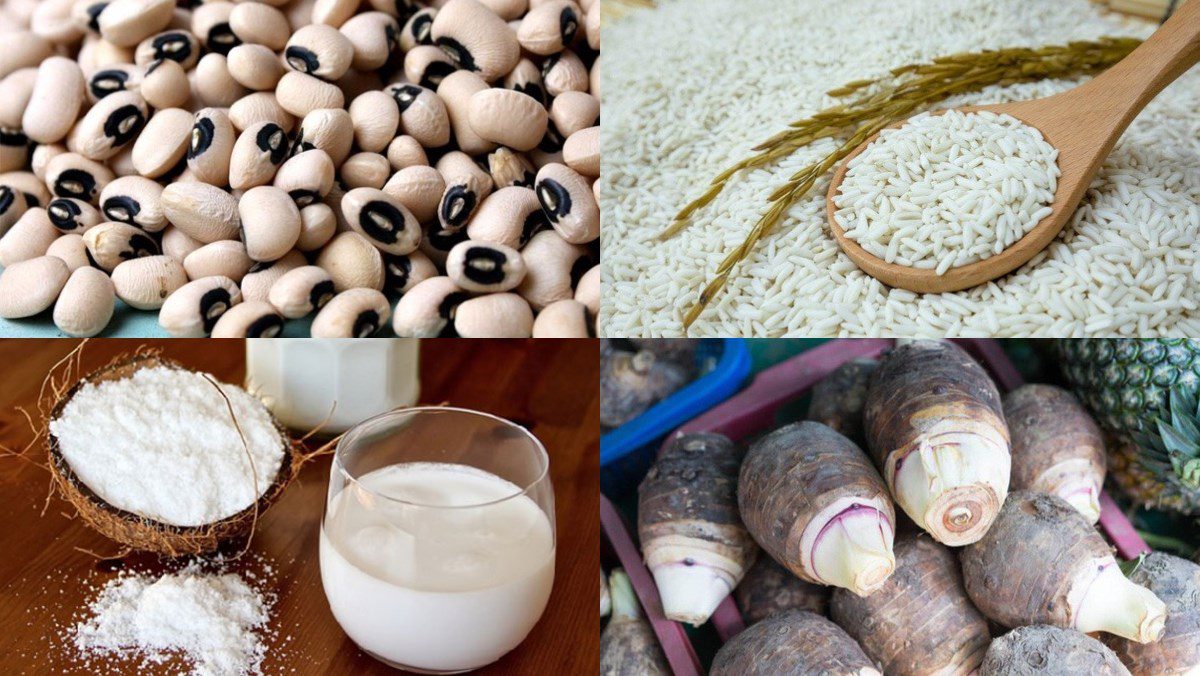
{"x":141,"y":533}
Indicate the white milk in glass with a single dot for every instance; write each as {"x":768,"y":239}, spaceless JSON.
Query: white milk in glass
{"x":441,"y":586}
{"x":305,"y":381}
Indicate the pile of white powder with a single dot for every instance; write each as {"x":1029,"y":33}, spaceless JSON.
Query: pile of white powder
{"x":943,"y":191}
{"x":162,"y":444}
{"x":212,"y":621}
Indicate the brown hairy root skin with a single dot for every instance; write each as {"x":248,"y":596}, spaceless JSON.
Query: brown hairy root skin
{"x":793,"y":642}
{"x":838,"y":400}
{"x":631,"y":382}
{"x":145,"y":534}
{"x":628,"y":647}
{"x":769,"y":588}
{"x":792,"y":474}
{"x":1049,"y":426}
{"x":921,"y":620}
{"x":1042,"y":650}
{"x":1177,"y":582}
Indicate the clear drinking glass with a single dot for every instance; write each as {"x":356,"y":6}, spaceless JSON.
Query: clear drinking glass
{"x":437,"y":545}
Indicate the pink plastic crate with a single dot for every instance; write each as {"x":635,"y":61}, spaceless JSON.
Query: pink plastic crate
{"x":752,"y":411}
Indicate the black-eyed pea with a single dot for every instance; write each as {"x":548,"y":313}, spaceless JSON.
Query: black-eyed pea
{"x":507,"y":117}
{"x":122,"y":162}
{"x":30,"y":183}
{"x":58,"y":95}
{"x":121,"y":77}
{"x":592,"y":25}
{"x":319,"y":50}
{"x":113,"y":122}
{"x":255,"y":66}
{"x":423,"y":114}
{"x":205,"y":212}
{"x":427,"y":309}
{"x":257,"y":283}
{"x":257,"y":154}
{"x":507,"y":9}
{"x":330,"y":130}
{"x":301,"y":292}
{"x":251,"y":319}
{"x":163,"y":143}
{"x":466,"y":186}
{"x":226,"y":258}
{"x":427,"y":66}
{"x":553,"y":266}
{"x":300,"y":94}
{"x":587,"y":290}
{"x":563,"y":319}
{"x":456,"y":91}
{"x":307,"y":177}
{"x":382,"y":219}
{"x":365,"y":170}
{"x":13,"y":205}
{"x":352,"y":262}
{"x":270,"y":222}
{"x":23,"y":49}
{"x":317,"y":226}
{"x":550,"y":27}
{"x":572,"y":111}
{"x":15,"y":91}
{"x":52,"y":19}
{"x":210,"y":23}
{"x":510,"y":216}
{"x":405,"y":151}
{"x":564,"y":72}
{"x":418,"y":188}
{"x":333,"y":12}
{"x":496,"y":315}
{"x":85,"y":304}
{"x":177,"y":244}
{"x":510,"y":169}
{"x":165,"y":84}
{"x":581,"y":152}
{"x":96,"y":53}
{"x":438,"y":242}
{"x":86,"y":14}
{"x":333,"y":199}
{"x":73,"y":215}
{"x":260,"y":24}
{"x":418,"y":30}
{"x":176,"y":45}
{"x":401,"y":9}
{"x":14,"y":150}
{"x":30,"y":237}
{"x":259,"y":107}
{"x":373,"y":36}
{"x":354,"y":313}
{"x":71,"y":250}
{"x":476,"y":39}
{"x":375,"y":117}
{"x":485,"y":267}
{"x":125,"y":23}
{"x":31,"y":286}
{"x":402,"y":273}
{"x":73,"y":175}
{"x":569,"y":203}
{"x":527,"y":79}
{"x":110,"y":244}
{"x":214,"y":85}
{"x":211,"y":146}
{"x":594,"y":78}
{"x":146,"y":282}
{"x":194,"y":308}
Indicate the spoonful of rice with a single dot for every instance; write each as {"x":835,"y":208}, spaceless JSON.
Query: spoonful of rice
{"x":949,"y":200}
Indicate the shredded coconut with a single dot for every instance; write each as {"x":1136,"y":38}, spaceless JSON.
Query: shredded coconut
{"x":161,"y":444}
{"x":210,"y":620}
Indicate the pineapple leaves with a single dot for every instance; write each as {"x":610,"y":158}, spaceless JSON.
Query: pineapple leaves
{"x":1177,"y":441}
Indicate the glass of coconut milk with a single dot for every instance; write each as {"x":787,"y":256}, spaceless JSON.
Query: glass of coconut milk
{"x":437,"y":546}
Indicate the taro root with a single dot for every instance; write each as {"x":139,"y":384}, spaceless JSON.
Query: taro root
{"x":769,"y":588}
{"x":921,"y":620}
{"x":1177,"y":582}
{"x":1049,"y":651}
{"x":692,"y":538}
{"x":793,"y":642}
{"x":838,"y":400}
{"x":813,"y":501}
{"x":628,"y":645}
{"x":632,"y":382}
{"x":936,"y":431}
{"x":1056,"y":446}
{"x":1041,"y":562}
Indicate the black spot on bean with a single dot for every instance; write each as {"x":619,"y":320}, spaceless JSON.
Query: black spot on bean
{"x":221,"y":39}
{"x":458,"y":52}
{"x":549,"y":64}
{"x":448,"y":307}
{"x":534,"y":223}
{"x":123,"y":124}
{"x":107,"y":82}
{"x":553,"y":141}
{"x":140,"y":245}
{"x":405,"y":9}
{"x":266,"y":326}
{"x":366,"y":324}
{"x":202,"y":137}
{"x":272,"y":139}
{"x":302,"y":59}
{"x":32,"y":200}
{"x":405,"y":96}
{"x":153,"y":66}
{"x":555,"y":199}
{"x":121,"y":208}
{"x":75,"y":183}
{"x":396,"y":271}
{"x":381,"y":221}
{"x":434,"y":73}
{"x":568,"y":23}
{"x":93,"y":15}
{"x":259,"y":267}
{"x":320,"y":294}
{"x":484,"y":265}
{"x":444,"y":240}
{"x":174,"y":46}
{"x":7,"y":197}
{"x":531,"y":89}
{"x":422,"y":30}
{"x":303,"y":196}
{"x":457,"y":206}
{"x":91,"y":261}
{"x":64,"y":214}
{"x":213,"y":304}
{"x":391,"y":37}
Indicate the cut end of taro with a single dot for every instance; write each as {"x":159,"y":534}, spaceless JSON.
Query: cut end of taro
{"x":854,"y":551}
{"x":1085,"y":498}
{"x":962,"y":515}
{"x":1115,"y":605}
{"x":690,"y":593}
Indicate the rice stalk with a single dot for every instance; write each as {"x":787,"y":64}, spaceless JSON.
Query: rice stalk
{"x":877,"y":103}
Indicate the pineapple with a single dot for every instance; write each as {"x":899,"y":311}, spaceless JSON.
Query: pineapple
{"x":1144,"y":394}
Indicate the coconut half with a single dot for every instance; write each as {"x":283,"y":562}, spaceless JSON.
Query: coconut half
{"x":141,"y":532}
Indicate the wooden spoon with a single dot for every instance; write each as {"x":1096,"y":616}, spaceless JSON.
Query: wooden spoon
{"x":1083,"y":123}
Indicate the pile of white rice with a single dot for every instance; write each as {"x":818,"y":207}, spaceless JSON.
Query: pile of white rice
{"x":946,"y":190}
{"x":691,"y":86}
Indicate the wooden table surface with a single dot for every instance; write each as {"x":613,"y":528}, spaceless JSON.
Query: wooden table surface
{"x":46,"y":581}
